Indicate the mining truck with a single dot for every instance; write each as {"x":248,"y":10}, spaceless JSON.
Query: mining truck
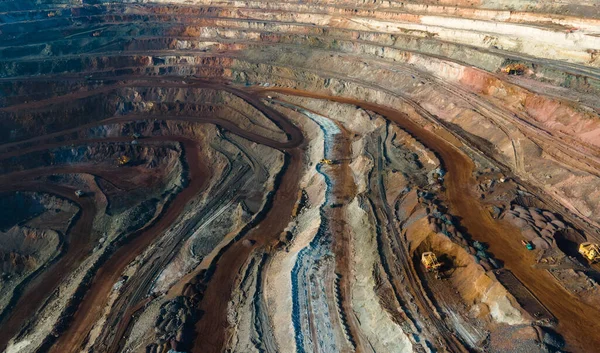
{"x":590,"y":251}
{"x":527,"y":244}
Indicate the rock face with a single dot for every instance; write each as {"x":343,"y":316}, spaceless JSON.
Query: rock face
{"x":264,"y":176}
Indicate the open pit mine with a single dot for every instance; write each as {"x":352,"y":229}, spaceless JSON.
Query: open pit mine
{"x":282,"y":176}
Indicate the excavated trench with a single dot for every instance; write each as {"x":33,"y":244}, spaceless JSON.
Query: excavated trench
{"x":188,"y":139}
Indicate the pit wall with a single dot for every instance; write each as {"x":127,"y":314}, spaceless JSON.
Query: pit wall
{"x":516,"y":36}
{"x":278,"y":291}
{"x":541,"y":11}
{"x":227,"y":218}
{"x":499,"y":35}
{"x":560,"y":185}
{"x":24,"y":251}
{"x":197,"y":102}
{"x":475,"y":286}
{"x":112,"y":227}
{"x":241,"y":313}
{"x":376,"y":324}
{"x":565,"y":183}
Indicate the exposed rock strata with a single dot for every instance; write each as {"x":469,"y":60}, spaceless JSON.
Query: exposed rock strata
{"x":263,"y":176}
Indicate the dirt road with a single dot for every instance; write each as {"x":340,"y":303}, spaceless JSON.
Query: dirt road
{"x":78,"y":240}
{"x":92,"y":304}
{"x":575,"y":319}
{"x":577,"y":322}
{"x":45,"y":283}
{"x":344,"y":190}
{"x":211,"y":328}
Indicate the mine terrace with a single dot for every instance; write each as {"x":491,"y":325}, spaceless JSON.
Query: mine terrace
{"x":323,"y":176}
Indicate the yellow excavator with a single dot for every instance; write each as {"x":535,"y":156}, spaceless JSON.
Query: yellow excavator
{"x":326,"y":161}
{"x":590,"y":251}
{"x":122,"y":160}
{"x":431,"y":263}
{"x":514,"y":69}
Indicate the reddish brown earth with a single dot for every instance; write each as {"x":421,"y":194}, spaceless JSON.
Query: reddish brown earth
{"x":503,"y":93}
{"x":79,"y":243}
{"x":212,"y":326}
{"x":573,"y":319}
{"x":92,"y":304}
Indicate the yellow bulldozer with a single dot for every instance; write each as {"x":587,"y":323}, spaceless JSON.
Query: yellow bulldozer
{"x":590,"y":251}
{"x":431,"y":263}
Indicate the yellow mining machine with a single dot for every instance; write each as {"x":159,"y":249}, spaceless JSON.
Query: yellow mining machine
{"x":515,"y":69}
{"x":123,"y":160}
{"x":431,"y":263}
{"x":326,"y":161}
{"x":590,"y":251}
